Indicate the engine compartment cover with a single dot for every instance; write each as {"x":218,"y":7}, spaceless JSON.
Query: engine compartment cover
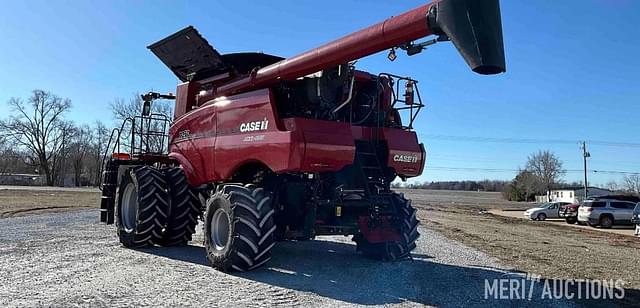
{"x":189,"y":56}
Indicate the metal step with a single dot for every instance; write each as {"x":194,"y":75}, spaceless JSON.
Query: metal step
{"x":107,"y":200}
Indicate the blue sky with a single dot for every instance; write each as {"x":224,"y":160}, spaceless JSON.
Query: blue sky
{"x":572,"y":69}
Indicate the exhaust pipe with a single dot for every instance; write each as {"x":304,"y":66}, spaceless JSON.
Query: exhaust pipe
{"x":475,"y":29}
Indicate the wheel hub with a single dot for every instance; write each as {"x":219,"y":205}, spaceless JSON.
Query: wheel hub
{"x":219,"y":229}
{"x":129,"y":210}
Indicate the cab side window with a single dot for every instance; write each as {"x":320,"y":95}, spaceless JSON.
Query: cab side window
{"x":622,"y":205}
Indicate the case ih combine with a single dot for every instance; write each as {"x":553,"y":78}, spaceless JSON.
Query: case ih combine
{"x":263,"y":148}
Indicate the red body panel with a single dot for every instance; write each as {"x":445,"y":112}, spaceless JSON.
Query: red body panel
{"x":383,"y":232}
{"x":406,"y":155}
{"x":212,"y":142}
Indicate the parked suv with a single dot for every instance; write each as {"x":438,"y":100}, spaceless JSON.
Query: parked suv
{"x":607,"y":211}
{"x":636,"y":218}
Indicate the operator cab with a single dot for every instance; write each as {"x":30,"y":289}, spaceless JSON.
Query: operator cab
{"x":344,"y":94}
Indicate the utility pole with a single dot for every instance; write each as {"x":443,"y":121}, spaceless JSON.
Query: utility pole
{"x":585,"y":155}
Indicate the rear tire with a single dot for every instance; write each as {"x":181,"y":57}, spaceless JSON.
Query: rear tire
{"x":186,"y":207}
{"x":606,"y":222}
{"x":239,"y":227}
{"x":142,"y":207}
{"x":571,"y":220}
{"x":394,"y":250}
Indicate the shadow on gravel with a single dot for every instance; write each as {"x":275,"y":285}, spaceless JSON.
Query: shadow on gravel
{"x":188,"y":253}
{"x":334,"y":270}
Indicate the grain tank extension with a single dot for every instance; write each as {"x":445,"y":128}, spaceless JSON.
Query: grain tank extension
{"x":264,"y":149}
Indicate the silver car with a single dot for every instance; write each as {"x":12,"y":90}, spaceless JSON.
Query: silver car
{"x":606,"y":212}
{"x":544,"y":211}
{"x":636,"y":218}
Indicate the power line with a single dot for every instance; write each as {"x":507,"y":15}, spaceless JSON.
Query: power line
{"x":529,"y":140}
{"x":616,"y":172}
{"x":446,"y":168}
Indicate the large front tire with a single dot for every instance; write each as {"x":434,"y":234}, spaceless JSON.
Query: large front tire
{"x":142,"y":207}
{"x":186,"y":207}
{"x":394,"y":250}
{"x":239,"y":227}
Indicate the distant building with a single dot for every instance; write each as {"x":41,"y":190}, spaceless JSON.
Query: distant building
{"x":572,"y":194}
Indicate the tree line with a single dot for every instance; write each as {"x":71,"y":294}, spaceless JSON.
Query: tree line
{"x":37,"y":137}
{"x":484,"y":185}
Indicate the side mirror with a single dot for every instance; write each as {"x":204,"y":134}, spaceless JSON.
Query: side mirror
{"x":408,"y":93}
{"x":146,"y":108}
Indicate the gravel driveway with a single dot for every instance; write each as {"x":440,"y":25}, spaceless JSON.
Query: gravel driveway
{"x":69,"y":259}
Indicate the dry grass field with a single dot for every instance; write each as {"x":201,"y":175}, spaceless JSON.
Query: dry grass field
{"x":20,"y":202}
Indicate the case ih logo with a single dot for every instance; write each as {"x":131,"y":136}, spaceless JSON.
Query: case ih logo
{"x":254,"y":126}
{"x":405,"y":158}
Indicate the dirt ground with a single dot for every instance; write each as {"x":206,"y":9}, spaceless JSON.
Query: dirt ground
{"x":551,"y":250}
{"x":20,"y":202}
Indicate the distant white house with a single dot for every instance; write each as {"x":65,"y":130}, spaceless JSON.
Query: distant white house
{"x":572,"y":194}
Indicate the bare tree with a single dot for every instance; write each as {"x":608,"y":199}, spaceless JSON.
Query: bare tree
{"x":612,"y":186}
{"x":79,"y":148}
{"x":100,"y":136}
{"x":528,"y":184}
{"x":631,"y":183}
{"x":547,"y":167}
{"x":39,"y":127}
{"x":12,"y":160}
{"x":61,"y":159}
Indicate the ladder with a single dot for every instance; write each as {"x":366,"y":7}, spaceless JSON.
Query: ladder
{"x":108,"y":198}
{"x":372,"y":170}
{"x":376,"y":187}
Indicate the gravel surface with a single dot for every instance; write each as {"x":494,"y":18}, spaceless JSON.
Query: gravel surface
{"x":69,"y":259}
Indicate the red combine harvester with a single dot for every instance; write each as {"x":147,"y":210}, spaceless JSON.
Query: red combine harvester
{"x":263,"y":148}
